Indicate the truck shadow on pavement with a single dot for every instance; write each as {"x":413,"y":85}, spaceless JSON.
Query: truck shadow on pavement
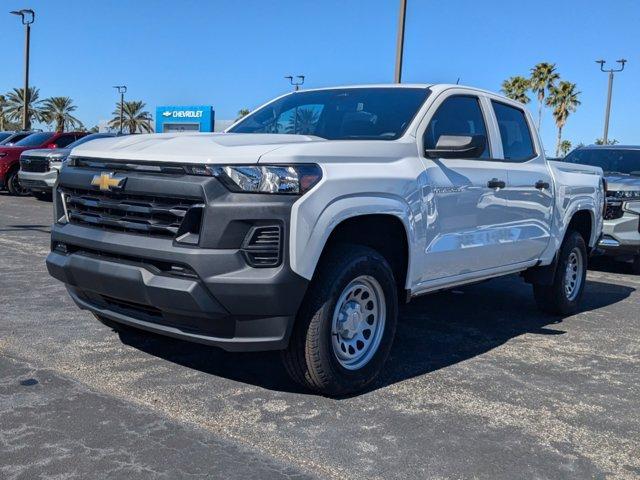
{"x":434,"y":332}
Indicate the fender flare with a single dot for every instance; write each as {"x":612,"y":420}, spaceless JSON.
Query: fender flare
{"x":308,"y":238}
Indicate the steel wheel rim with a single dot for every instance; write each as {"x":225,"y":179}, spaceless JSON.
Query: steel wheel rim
{"x":358,"y":322}
{"x":573,"y":274}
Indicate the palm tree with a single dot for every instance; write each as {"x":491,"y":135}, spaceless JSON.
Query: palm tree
{"x":243,"y":112}
{"x":516,"y":89}
{"x":565,"y":146}
{"x":3,"y":104}
{"x":564,"y":100}
{"x":58,"y":110}
{"x":15,"y":101}
{"x":135,"y":117}
{"x":600,"y":141}
{"x":543,"y":79}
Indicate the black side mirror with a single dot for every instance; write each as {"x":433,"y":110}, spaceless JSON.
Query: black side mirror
{"x":458,"y":146}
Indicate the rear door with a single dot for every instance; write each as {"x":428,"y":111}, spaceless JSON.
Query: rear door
{"x":464,"y":206}
{"x":529,"y":192}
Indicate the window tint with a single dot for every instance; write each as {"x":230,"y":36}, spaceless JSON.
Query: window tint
{"x":65,"y":140}
{"x":611,"y":160}
{"x":338,"y":114}
{"x":459,"y":115}
{"x":514,"y":132}
{"x":88,"y":138}
{"x":34,"y":140}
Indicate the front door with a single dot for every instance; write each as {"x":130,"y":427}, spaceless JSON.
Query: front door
{"x":464,"y":205}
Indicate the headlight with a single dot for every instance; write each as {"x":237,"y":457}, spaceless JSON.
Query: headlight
{"x":292,"y":179}
{"x":57,"y":160}
{"x":69,"y":162}
{"x":624,"y":194}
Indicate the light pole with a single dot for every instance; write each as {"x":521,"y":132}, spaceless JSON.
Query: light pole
{"x":27,"y":16}
{"x":122,"y":89}
{"x":298,"y":83}
{"x":607,"y":112}
{"x":400,"y":41}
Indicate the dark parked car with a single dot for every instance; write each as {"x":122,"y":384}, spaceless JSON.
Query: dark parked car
{"x":13,"y":137}
{"x":621,"y":167}
{"x":10,"y":155}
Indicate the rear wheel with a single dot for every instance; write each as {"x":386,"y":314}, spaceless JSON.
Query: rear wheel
{"x":345,"y":327}
{"x":563,"y":296}
{"x":14,"y":186}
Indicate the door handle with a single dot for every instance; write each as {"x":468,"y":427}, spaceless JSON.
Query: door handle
{"x":495,"y":183}
{"x":541,"y":185}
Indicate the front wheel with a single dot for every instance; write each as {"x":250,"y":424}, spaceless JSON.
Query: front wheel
{"x":635,"y":266}
{"x":14,"y":186}
{"x":345,"y":327}
{"x":562,"y":297}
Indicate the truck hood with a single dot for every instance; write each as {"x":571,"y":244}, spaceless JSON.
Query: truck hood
{"x":622,"y":182}
{"x":575,"y":167}
{"x":220,"y":148}
{"x":50,"y":153}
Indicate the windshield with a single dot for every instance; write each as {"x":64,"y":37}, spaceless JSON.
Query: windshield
{"x":88,"y":138}
{"x":339,"y":114}
{"x":4,"y":136}
{"x":34,"y":140}
{"x":611,"y":160}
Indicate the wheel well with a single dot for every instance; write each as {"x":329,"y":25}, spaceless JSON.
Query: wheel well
{"x":581,"y":222}
{"x":384,"y":233}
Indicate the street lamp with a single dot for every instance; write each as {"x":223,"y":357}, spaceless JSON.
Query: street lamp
{"x":400,"y":41}
{"x":27,"y":16}
{"x":296,"y":84}
{"x":610,"y":71}
{"x":122,"y":89}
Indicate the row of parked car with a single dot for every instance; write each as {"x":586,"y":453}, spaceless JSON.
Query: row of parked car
{"x":30,"y":160}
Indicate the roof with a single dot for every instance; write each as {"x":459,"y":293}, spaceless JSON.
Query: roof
{"x":611,"y":147}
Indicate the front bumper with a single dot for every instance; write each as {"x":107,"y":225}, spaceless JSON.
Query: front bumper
{"x":40,"y":181}
{"x":621,"y":237}
{"x":207,"y":293}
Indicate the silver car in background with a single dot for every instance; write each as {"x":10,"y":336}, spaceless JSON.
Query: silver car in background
{"x":39,"y":168}
{"x":621,"y":167}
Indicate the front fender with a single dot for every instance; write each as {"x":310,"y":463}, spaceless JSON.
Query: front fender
{"x":311,"y":227}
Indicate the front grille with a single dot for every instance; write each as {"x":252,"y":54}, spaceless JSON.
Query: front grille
{"x":141,"y":214}
{"x":612,"y":209}
{"x":34,"y":164}
{"x":262,"y":246}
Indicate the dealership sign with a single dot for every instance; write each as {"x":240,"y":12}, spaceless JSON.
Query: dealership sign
{"x":181,"y":118}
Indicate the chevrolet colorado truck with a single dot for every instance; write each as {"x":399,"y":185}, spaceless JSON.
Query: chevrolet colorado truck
{"x":621,"y":228}
{"x":304,"y":225}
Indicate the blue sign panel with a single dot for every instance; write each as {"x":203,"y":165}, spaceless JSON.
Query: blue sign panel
{"x":193,"y":118}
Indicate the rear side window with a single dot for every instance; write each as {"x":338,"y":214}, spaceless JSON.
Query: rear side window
{"x":65,"y":140}
{"x":517,"y":144}
{"x":458,"y":115}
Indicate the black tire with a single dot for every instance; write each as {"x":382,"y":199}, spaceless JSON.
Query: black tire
{"x":43,"y":196}
{"x":13,"y":185}
{"x":635,"y":266}
{"x":310,"y":358}
{"x":553,"y":298}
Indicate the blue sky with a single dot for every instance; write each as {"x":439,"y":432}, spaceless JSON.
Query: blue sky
{"x":235,"y":54}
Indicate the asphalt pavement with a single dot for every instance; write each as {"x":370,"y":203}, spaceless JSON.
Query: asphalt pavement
{"x":480,"y":384}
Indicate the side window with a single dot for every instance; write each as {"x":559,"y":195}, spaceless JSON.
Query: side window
{"x":64,"y":140}
{"x":517,"y":144}
{"x":458,"y":115}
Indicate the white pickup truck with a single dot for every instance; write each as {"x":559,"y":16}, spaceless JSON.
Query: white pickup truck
{"x":304,"y":225}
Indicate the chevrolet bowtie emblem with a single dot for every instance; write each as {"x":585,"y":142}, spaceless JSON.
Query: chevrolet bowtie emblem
{"x":105,"y":181}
